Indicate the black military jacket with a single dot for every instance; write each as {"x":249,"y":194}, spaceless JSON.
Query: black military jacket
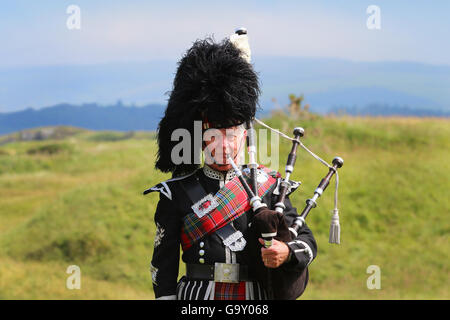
{"x":174,"y":204}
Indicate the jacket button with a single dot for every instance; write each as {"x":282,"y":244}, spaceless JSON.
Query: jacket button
{"x":201,"y":260}
{"x":201,"y":252}
{"x":202,"y":244}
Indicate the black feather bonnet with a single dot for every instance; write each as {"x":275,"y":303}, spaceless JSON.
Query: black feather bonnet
{"x":213,"y":83}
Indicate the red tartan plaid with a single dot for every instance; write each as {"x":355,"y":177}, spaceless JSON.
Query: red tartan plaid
{"x":233,"y":202}
{"x":229,"y":291}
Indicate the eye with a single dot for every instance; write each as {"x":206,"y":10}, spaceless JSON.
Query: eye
{"x":231,"y":137}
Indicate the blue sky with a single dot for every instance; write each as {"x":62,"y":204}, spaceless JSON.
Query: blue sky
{"x":128,"y":49}
{"x":34,"y":33}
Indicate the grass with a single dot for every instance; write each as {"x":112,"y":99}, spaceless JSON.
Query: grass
{"x":82,"y":205}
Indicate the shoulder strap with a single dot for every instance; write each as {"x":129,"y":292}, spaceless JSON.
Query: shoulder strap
{"x":193,"y":188}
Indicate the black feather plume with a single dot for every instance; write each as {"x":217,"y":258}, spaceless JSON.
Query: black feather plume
{"x":212,"y":81}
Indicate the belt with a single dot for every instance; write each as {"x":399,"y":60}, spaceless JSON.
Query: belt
{"x":220,"y":272}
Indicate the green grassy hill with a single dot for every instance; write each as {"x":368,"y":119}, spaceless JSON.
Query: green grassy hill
{"x":77,"y":200}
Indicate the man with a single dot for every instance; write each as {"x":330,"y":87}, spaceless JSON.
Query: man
{"x":216,"y":86}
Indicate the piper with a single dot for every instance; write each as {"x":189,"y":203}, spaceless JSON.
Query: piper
{"x":205,"y":209}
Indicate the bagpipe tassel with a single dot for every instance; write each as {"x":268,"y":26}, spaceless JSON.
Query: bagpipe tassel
{"x":335,"y":228}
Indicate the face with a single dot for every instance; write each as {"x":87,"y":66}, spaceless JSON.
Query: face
{"x":220,"y":142}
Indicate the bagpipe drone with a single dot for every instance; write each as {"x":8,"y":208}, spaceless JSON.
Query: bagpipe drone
{"x":269,"y":223}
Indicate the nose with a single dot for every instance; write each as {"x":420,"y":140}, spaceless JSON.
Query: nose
{"x":224,"y":148}
{"x":227,"y":146}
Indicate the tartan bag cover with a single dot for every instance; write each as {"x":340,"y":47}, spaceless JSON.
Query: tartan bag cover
{"x":232,"y":202}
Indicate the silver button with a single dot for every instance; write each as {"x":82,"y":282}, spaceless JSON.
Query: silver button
{"x":201,"y":252}
{"x":201,"y":260}
{"x":202,"y":244}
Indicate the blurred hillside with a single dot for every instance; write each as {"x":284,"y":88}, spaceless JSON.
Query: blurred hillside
{"x":88,"y":116}
{"x":127,"y":118}
{"x":78,"y":200}
{"x":326,"y":82}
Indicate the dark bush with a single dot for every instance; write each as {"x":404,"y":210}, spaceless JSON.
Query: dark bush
{"x":49,"y":149}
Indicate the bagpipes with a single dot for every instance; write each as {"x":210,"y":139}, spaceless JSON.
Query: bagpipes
{"x":270,"y":224}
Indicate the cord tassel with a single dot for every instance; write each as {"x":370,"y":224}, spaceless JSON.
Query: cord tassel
{"x":335,"y":228}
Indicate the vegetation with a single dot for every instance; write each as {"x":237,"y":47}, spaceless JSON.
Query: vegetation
{"x":83,"y":205}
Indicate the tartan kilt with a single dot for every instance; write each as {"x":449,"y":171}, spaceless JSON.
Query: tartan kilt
{"x":210,"y":290}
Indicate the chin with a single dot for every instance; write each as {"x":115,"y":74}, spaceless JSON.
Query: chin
{"x":225,"y":167}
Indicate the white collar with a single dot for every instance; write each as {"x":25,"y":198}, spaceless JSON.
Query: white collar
{"x":219,"y":175}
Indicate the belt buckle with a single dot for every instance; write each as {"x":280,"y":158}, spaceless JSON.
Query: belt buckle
{"x":226,"y":272}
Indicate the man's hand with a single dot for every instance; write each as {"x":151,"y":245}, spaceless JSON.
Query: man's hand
{"x":276,"y":255}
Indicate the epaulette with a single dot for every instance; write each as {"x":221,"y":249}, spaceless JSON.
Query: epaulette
{"x":163,"y":186}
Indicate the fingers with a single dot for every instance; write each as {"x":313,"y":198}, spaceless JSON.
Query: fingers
{"x":272,"y":248}
{"x":271,"y":256}
{"x":271,"y":262}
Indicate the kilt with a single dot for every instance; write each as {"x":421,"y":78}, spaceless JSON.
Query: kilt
{"x":210,"y":290}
